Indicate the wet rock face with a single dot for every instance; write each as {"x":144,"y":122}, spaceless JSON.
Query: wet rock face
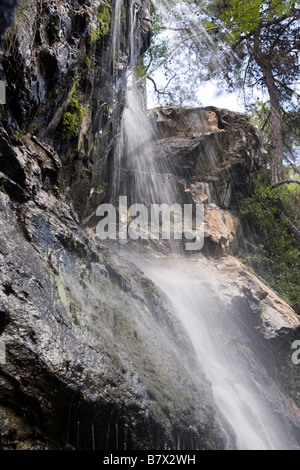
{"x":212,"y":147}
{"x":89,"y":342}
{"x":271,"y":316}
{"x":64,"y":65}
{"x":94,"y":358}
{"x":214,"y":155}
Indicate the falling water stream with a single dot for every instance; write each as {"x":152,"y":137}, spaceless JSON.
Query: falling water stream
{"x":254,"y":413}
{"x":240,"y":398}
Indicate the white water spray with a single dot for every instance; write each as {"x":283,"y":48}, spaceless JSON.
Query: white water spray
{"x":254,"y":416}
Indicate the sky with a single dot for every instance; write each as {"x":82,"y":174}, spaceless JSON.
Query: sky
{"x":208,"y":94}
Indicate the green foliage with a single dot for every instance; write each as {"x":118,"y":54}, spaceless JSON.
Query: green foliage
{"x":53,"y":30}
{"x":140,"y":69}
{"x":75,"y":86}
{"x":94,"y":35}
{"x":103,"y":17}
{"x":69,"y":125}
{"x":207,"y":24}
{"x":16,"y":137}
{"x":87,"y":63}
{"x":76,"y":106}
{"x":273,"y":252}
{"x":157,"y":49}
{"x":157,"y":21}
{"x":244,"y":16}
{"x":33,"y":127}
{"x":263,"y":39}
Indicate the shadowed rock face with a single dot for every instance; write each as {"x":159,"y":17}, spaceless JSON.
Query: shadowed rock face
{"x":215,"y":147}
{"x":7,"y":14}
{"x":90,"y":346}
{"x":55,"y":53}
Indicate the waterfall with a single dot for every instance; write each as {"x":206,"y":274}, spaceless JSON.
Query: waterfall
{"x":135,"y":158}
{"x":254,"y":412}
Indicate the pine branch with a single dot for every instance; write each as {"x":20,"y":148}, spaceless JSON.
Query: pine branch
{"x":276,"y":185}
{"x":170,"y":54}
{"x":164,"y":92}
{"x":290,"y":90}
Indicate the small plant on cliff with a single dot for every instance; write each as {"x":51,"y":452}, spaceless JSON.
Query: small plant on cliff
{"x":16,"y":137}
{"x":270,"y":222}
{"x":69,"y":125}
{"x":53,"y":30}
{"x":103,"y":17}
{"x":87,"y":63}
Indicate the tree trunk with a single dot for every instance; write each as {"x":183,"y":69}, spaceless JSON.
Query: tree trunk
{"x":276,"y":119}
{"x":141,"y":89}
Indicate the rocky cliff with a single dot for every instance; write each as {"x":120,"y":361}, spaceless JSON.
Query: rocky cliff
{"x":94,"y":357}
{"x":80,"y":327}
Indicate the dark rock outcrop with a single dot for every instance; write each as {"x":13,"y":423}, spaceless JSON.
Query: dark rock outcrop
{"x":65,"y":76}
{"x":6,"y":18}
{"x":215,"y":147}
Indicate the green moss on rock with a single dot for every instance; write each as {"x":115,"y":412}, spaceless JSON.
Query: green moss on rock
{"x":103,"y":17}
{"x":62,"y":292}
{"x":69,"y":125}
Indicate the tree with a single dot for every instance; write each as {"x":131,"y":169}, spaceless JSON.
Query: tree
{"x":264,"y":37}
{"x":249,"y":43}
{"x":175,"y":62}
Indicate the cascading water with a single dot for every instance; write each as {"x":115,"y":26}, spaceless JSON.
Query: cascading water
{"x":254,"y":412}
{"x":135,"y":163}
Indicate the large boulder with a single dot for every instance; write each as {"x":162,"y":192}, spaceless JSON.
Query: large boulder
{"x":216,"y":148}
